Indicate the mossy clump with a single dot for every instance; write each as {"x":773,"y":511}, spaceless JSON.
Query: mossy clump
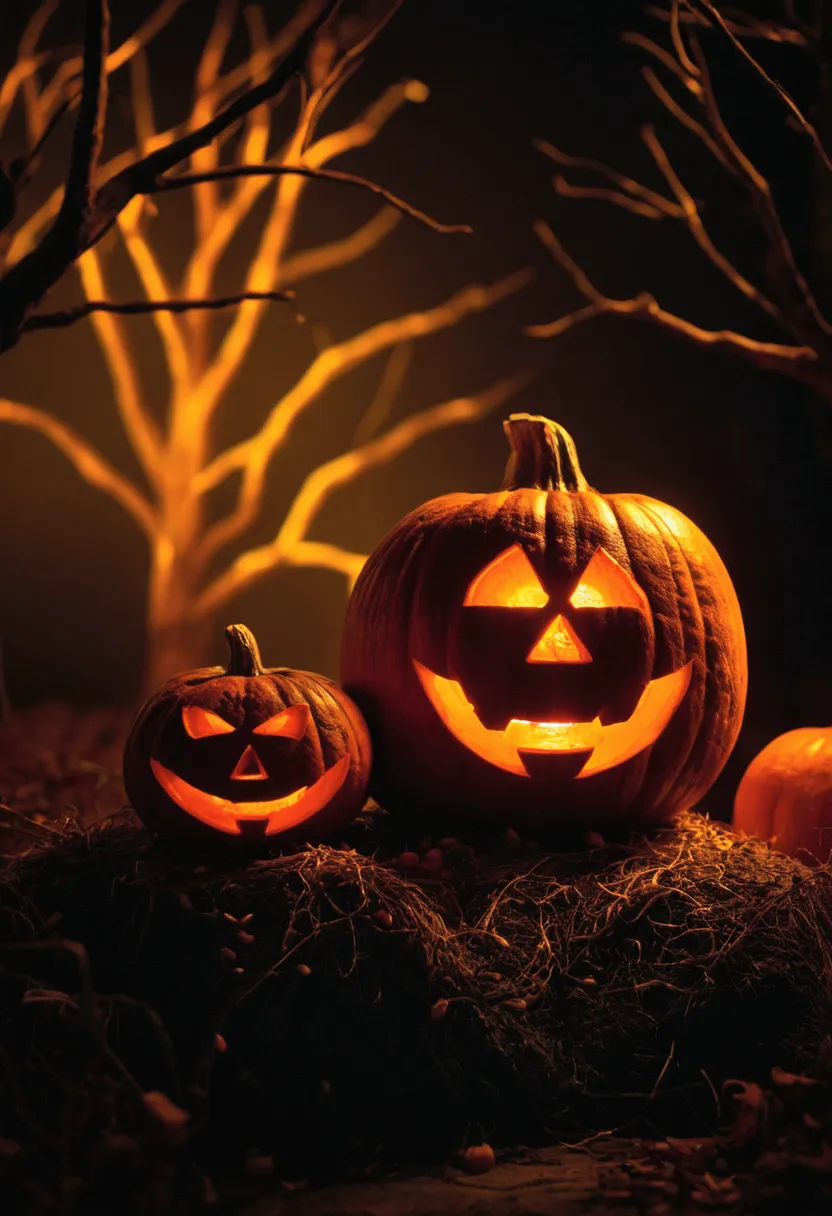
{"x":395,"y":997}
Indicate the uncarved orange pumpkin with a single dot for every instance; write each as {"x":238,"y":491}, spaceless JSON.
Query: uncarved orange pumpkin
{"x":785,"y":795}
{"x":546,"y":654}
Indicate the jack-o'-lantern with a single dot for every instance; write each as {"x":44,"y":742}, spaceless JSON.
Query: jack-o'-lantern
{"x":785,"y":795}
{"x":545,"y":653}
{"x":247,"y":755}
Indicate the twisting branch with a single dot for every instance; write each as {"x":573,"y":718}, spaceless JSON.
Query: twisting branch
{"x":74,"y":231}
{"x":68,"y":316}
{"x":787,"y":299}
{"x":774,"y":85}
{"x":308,"y":262}
{"x":335,"y":361}
{"x":91,"y":465}
{"x":327,"y":175}
{"x":227,"y":137}
{"x":769,"y":355}
{"x":292,"y":536}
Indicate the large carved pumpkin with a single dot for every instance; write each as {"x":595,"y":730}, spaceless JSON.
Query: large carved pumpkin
{"x":785,"y":795}
{"x":247,"y":754}
{"x":546,"y":653}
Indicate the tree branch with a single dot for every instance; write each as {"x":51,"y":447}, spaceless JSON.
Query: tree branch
{"x":774,"y":85}
{"x":254,"y":455}
{"x":91,"y":465}
{"x":233,"y":172}
{"x":693,"y":221}
{"x":744,"y":25}
{"x":796,"y":361}
{"x":139,"y":426}
{"x":308,"y":262}
{"x":76,"y":209}
{"x":29,"y":279}
{"x":68,"y":316}
{"x":654,"y":201}
{"x":156,"y":289}
{"x":322,"y":482}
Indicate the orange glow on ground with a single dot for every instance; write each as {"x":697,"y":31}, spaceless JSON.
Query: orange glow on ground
{"x":559,"y":644}
{"x":509,"y":581}
{"x":610,"y":745}
{"x":282,"y":813}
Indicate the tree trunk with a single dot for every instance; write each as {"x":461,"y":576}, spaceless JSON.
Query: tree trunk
{"x":177,"y":646}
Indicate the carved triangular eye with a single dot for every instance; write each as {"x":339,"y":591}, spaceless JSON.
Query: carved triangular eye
{"x":509,"y":581}
{"x":291,"y":723}
{"x":605,"y":584}
{"x":201,"y":723}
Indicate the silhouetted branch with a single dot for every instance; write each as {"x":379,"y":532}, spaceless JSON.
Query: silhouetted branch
{"x":230,"y":172}
{"x":85,"y":215}
{"x":774,"y":85}
{"x":68,"y":316}
{"x":773,"y":356}
{"x":788,"y":299}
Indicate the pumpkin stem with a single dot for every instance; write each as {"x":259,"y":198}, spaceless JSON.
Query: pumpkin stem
{"x":543,"y":456}
{"x":244,"y":652}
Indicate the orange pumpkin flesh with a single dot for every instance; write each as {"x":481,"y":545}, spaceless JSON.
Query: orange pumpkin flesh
{"x":785,"y":795}
{"x":545,"y":653}
{"x":247,"y":754}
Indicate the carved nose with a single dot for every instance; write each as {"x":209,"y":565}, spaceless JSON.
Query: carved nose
{"x":559,"y":644}
{"x":248,"y":767}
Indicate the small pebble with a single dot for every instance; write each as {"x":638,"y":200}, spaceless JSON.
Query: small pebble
{"x":433,"y":859}
{"x":245,"y":938}
{"x":304,"y":969}
{"x":383,"y":917}
{"x":228,"y":954}
{"x":409,"y":860}
{"x":220,"y":1043}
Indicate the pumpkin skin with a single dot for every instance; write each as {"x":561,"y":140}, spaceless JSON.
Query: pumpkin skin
{"x":545,"y":654}
{"x":785,"y":795}
{"x":247,"y":756}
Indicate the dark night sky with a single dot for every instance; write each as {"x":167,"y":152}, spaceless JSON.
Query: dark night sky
{"x":747,"y":456}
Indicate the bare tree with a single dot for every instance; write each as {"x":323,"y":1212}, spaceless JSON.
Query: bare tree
{"x":679,"y":76}
{"x":228,"y":139}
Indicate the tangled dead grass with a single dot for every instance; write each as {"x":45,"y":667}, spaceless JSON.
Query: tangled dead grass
{"x":394,"y":998}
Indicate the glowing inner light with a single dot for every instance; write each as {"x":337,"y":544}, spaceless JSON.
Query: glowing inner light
{"x":509,"y":581}
{"x":280,"y":813}
{"x":559,"y":644}
{"x":605,"y":584}
{"x":202,"y":723}
{"x":609,"y":745}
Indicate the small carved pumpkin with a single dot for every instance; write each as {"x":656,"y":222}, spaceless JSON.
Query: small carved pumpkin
{"x":785,"y":795}
{"x":546,"y":651}
{"x":247,"y":754}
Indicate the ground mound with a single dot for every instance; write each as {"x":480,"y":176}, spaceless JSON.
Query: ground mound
{"x":394,"y":998}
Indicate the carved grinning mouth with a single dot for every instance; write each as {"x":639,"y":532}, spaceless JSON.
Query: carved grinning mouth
{"x":225,"y":815}
{"x":607,"y":746}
